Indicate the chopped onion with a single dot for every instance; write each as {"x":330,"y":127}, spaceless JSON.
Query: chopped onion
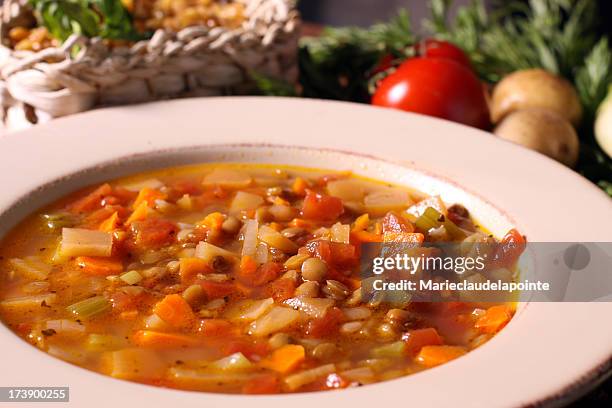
{"x":341,"y":233}
{"x":276,"y":240}
{"x":31,"y":267}
{"x":277,"y":319}
{"x":347,"y":190}
{"x":228,"y":178}
{"x":249,"y":237}
{"x":262,"y":253}
{"x":234,"y":362}
{"x":65,"y":326}
{"x":313,"y":307}
{"x":82,"y":242}
{"x":248,"y":310}
{"x":382,"y":201}
{"x":189,"y":377}
{"x":356,"y":313}
{"x":419,"y":208}
{"x":28,"y":303}
{"x":245,"y":201}
{"x":136,"y":364}
{"x":298,"y":380}
{"x":154,"y":322}
{"x":104,"y":342}
{"x":209,"y":252}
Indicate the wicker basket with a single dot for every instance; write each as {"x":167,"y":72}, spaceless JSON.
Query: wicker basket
{"x":196,"y":61}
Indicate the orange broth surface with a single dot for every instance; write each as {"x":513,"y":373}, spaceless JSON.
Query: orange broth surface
{"x":233,"y":278}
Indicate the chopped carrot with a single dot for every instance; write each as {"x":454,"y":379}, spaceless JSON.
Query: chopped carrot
{"x":214,"y":221}
{"x":281,"y":201}
{"x":265,"y":384}
{"x":111,"y":223}
{"x":159,"y":340}
{"x":393,"y":222}
{"x":175,"y":311}
{"x":431,"y":356}
{"x":91,"y":201}
{"x":365,"y":236}
{"x":139,"y":214}
{"x":215,"y":327}
{"x":417,"y":339}
{"x":299,"y":186}
{"x":99,"y":266}
{"x":494,"y":319}
{"x":190,"y":267}
{"x":285,"y":359}
{"x":148,"y":195}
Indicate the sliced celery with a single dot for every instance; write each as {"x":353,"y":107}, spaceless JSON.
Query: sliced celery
{"x":90,"y":307}
{"x":395,"y":349}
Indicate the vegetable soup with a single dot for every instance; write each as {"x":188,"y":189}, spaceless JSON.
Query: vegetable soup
{"x":236,"y":278}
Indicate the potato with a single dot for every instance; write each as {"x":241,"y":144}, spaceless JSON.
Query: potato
{"x":543,"y":131}
{"x":535,"y":88}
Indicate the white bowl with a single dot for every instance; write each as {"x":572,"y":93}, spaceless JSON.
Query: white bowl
{"x":549,"y":353}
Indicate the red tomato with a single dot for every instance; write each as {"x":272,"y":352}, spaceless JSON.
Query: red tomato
{"x":216,"y":290}
{"x":321,"y":207}
{"x":280,"y":289}
{"x":436,"y":87}
{"x":334,"y":253}
{"x":511,"y":247}
{"x":431,"y":48}
{"x":154,"y":232}
{"x":326,"y":325}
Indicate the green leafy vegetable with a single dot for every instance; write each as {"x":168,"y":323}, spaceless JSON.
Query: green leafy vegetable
{"x":91,"y":18}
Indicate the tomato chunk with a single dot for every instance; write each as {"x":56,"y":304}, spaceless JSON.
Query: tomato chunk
{"x":154,"y":233}
{"x":266,"y":384}
{"x":326,"y":325}
{"x":321,"y":207}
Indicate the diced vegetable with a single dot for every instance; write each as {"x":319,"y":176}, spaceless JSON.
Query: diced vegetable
{"x":64,"y":326}
{"x":391,"y":350}
{"x":249,"y":310}
{"x":361,"y":374}
{"x":28,"y":303}
{"x":234,"y":362}
{"x":131,"y":277}
{"x":80,"y":242}
{"x":431,"y":356}
{"x":341,"y":233}
{"x":434,"y":202}
{"x":245,"y":201}
{"x":276,"y":240}
{"x":215,"y":328}
{"x":208,"y":252}
{"x":277,"y":319}
{"x":175,"y":311}
{"x":321,"y":207}
{"x":195,"y":378}
{"x":346,"y":189}
{"x":149,"y":196}
{"x":249,"y":240}
{"x":295,"y":381}
{"x":265,"y":384}
{"x":110,"y":224}
{"x":99,"y":266}
{"x":31,"y":267}
{"x":417,"y":339}
{"x":228,"y":178}
{"x":135,"y":364}
{"x":189,"y":268}
{"x":285,"y":359}
{"x":313,"y":307}
{"x":494,"y":319}
{"x":89,"y":308}
{"x":380,"y":202}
